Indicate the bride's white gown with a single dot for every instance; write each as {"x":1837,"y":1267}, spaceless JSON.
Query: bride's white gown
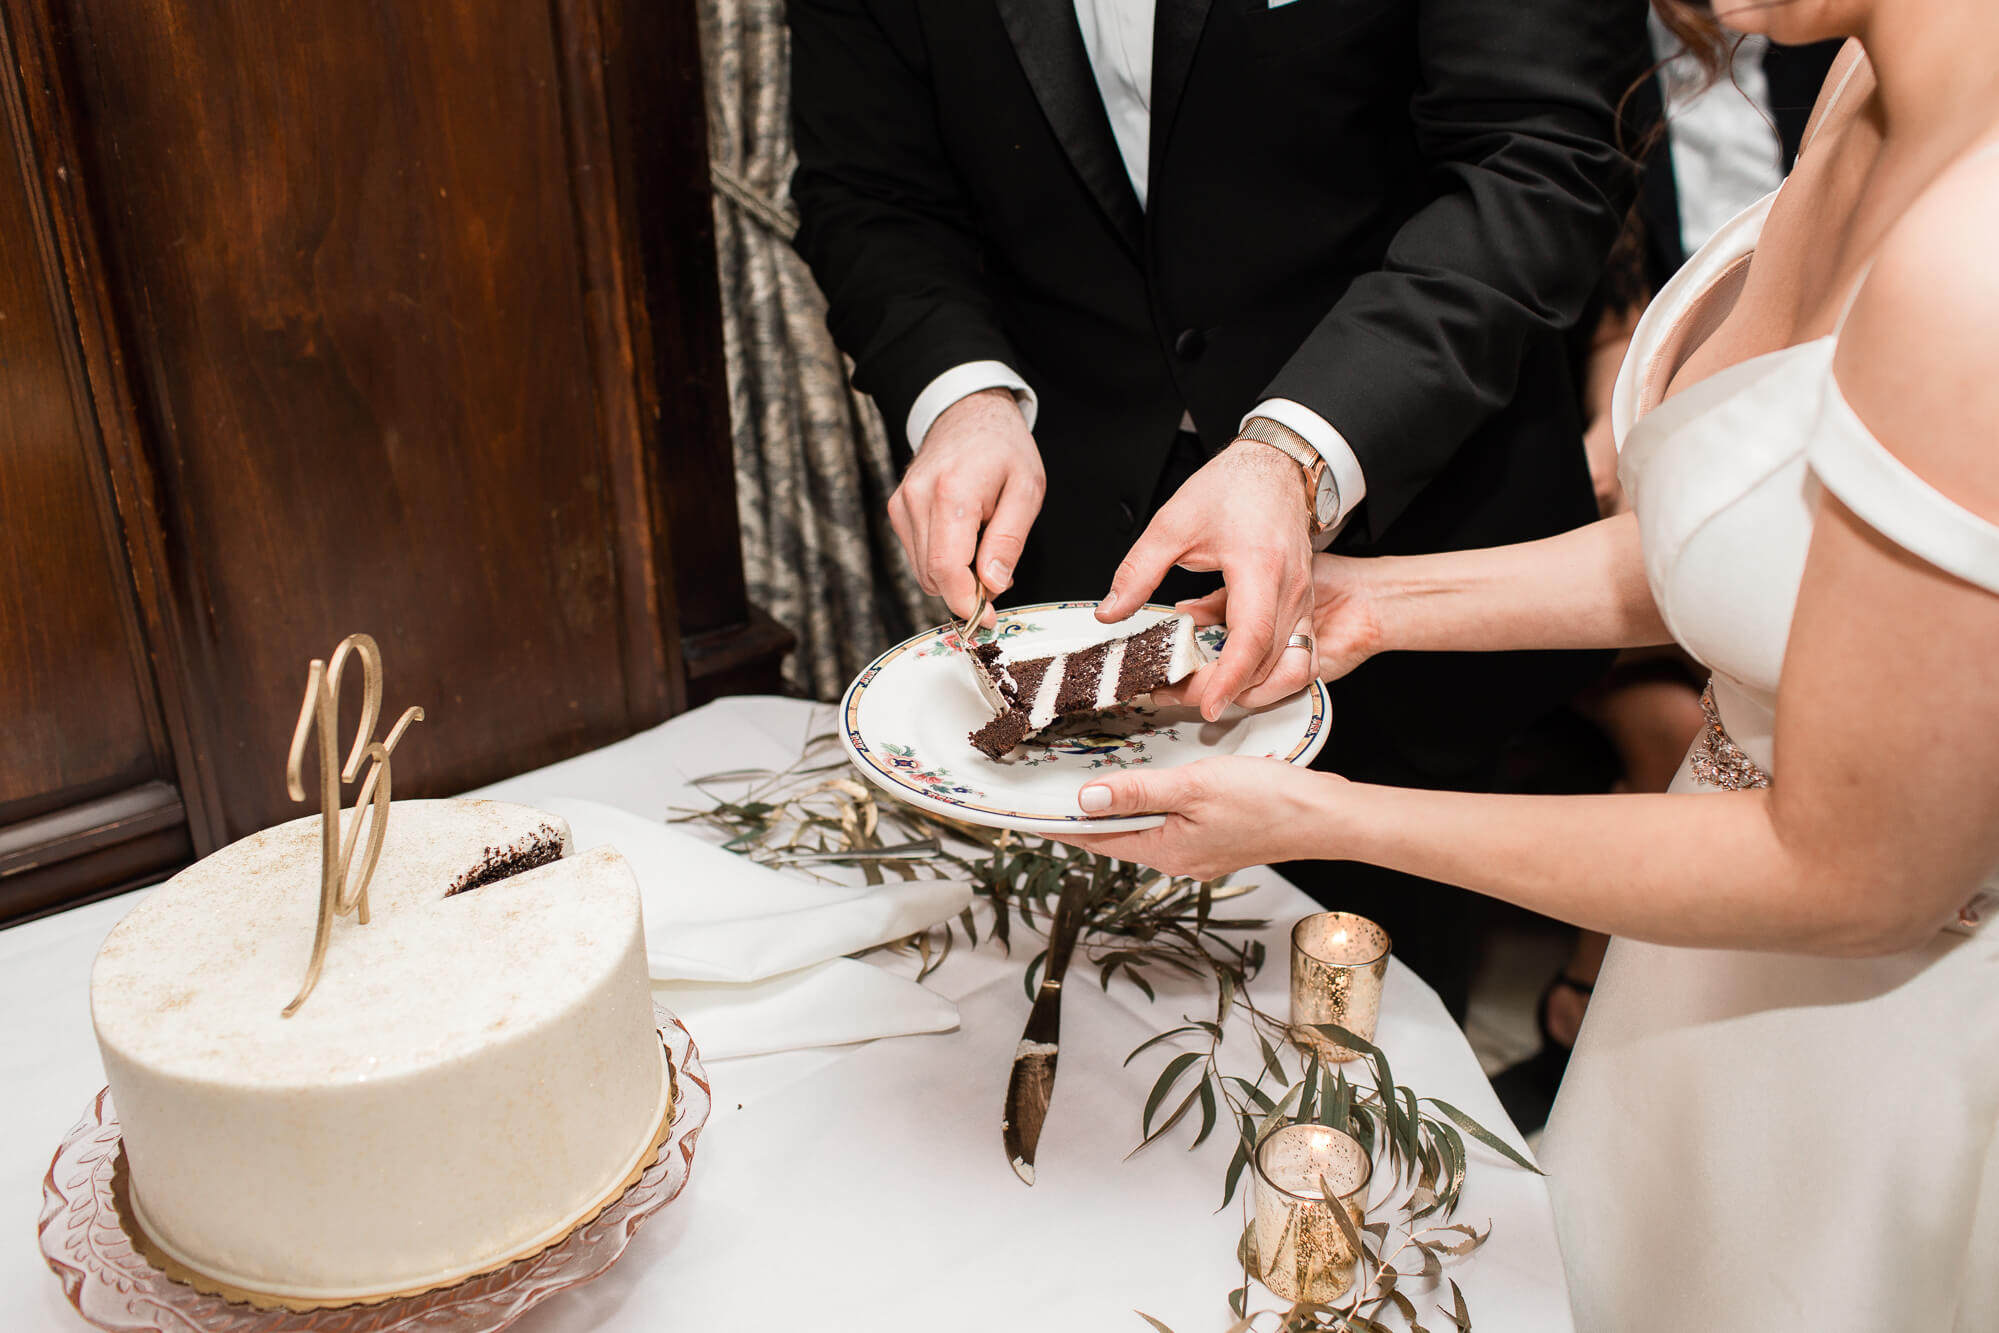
{"x":1762,"y":1141}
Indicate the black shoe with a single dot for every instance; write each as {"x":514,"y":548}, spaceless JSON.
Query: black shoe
{"x":1527,"y":1089}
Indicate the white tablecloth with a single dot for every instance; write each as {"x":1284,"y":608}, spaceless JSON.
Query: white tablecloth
{"x":864,"y":1187}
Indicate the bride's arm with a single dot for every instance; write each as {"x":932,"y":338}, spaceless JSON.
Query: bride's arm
{"x":1883,"y":821}
{"x":1580,"y":589}
{"x":1884,"y":817}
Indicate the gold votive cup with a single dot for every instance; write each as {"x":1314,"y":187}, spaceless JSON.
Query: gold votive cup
{"x":1338,"y":961}
{"x":1303,"y":1251}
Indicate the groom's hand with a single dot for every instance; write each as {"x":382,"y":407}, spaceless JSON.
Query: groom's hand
{"x":978,"y":467}
{"x":1247,"y":514}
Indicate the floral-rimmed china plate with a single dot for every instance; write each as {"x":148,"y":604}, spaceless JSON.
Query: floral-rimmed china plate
{"x":906,"y":722}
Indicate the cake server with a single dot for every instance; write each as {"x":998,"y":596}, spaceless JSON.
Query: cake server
{"x":1033,"y":1080}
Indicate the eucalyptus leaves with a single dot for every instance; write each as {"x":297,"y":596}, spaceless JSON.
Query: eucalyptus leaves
{"x":1420,"y":1139}
{"x":1137,"y":922}
{"x":1135,"y":919}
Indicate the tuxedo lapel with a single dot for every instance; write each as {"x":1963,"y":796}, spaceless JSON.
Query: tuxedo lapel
{"x":1176,"y":31}
{"x":1051,"y":52}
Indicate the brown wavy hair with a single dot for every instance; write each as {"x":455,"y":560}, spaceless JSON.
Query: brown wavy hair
{"x":1699,"y":31}
{"x":1623,"y":285}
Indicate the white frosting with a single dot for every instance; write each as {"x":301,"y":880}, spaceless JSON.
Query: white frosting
{"x":1188,"y":654}
{"x":1108,"y":677}
{"x":1185,"y":656}
{"x":1042,"y":712}
{"x":469,"y":1075}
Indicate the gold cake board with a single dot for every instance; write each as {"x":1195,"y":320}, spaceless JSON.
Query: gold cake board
{"x":128,"y":1219}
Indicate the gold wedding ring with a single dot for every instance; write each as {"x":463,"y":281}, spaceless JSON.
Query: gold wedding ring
{"x":1300,"y":641}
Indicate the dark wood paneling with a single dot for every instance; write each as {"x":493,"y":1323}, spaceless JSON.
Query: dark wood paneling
{"x":92,"y":849}
{"x":342,"y":245}
{"x":364,"y":315}
{"x":72,"y":720}
{"x":76,"y":715}
{"x":741,"y":659}
{"x":655,"y":671}
{"x":659,"y":139}
{"x":42,"y":113}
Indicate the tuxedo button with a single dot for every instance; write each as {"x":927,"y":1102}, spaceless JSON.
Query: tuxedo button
{"x":1190,"y":344}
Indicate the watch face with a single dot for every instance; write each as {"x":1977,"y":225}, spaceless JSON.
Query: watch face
{"x":1326,"y":501}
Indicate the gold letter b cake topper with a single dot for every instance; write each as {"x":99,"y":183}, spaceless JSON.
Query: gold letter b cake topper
{"x":321,"y":712}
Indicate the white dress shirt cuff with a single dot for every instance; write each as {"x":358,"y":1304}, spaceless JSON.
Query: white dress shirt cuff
{"x":962,"y":382}
{"x":1316,"y":431}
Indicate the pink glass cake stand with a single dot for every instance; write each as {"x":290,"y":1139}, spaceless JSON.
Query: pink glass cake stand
{"x":113,"y":1286}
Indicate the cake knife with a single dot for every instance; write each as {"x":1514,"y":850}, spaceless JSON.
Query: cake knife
{"x":1033,"y":1078}
{"x":921,"y":850}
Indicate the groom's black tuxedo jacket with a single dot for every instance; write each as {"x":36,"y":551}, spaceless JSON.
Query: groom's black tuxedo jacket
{"x":1386,"y":210}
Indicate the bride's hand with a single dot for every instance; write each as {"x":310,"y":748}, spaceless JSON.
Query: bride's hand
{"x":1346,"y":631}
{"x":1221,"y":814}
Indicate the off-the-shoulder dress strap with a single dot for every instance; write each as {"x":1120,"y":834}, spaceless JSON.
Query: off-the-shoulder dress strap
{"x":1853,"y":67}
{"x":1888,"y":496}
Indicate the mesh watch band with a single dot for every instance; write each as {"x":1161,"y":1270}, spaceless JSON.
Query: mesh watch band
{"x":1300,"y":451}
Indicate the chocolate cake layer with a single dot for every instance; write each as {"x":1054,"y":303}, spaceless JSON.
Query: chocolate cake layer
{"x":1029,"y":695}
{"x":523,"y":854}
{"x":999,"y":736}
{"x":1078,"y":692}
{"x":1028,"y":676}
{"x":1147,"y":661}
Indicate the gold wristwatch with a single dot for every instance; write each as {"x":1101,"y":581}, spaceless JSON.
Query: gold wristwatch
{"x":1323,"y":502}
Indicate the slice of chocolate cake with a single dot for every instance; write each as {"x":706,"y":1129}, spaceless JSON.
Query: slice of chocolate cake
{"x":1028,"y":695}
{"x":517,"y":857}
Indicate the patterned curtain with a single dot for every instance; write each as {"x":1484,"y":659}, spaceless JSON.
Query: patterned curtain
{"x":813,"y":475}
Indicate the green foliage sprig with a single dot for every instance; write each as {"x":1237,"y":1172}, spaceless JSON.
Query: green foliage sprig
{"x":1137,"y":920}
{"x":1420,"y":1139}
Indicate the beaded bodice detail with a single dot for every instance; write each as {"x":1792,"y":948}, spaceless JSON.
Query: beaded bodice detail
{"x":1716,"y":760}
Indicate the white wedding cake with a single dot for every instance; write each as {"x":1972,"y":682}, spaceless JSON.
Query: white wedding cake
{"x":474,"y":1073}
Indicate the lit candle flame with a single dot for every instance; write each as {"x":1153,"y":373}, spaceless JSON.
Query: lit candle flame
{"x":1340,"y":936}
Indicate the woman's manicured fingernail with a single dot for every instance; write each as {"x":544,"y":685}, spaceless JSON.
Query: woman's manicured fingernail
{"x":1095,"y":800}
{"x":997,"y":573}
{"x":1109,"y":603}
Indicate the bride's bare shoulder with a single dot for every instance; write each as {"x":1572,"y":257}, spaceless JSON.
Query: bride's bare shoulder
{"x":1915,"y":359}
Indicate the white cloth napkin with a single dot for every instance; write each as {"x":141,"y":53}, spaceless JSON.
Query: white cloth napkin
{"x":832,"y":1003}
{"x":754,"y":960}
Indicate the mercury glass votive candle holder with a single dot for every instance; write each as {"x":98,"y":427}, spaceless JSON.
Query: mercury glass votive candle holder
{"x":1338,"y":961}
{"x":1303,"y":1252}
